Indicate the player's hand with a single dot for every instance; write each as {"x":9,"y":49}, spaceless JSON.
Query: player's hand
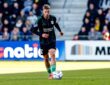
{"x":61,"y":33}
{"x":33,"y":34}
{"x":44,"y":35}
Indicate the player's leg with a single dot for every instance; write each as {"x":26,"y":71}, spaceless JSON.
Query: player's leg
{"x":47,"y":64}
{"x":53,"y":60}
{"x":46,"y":57}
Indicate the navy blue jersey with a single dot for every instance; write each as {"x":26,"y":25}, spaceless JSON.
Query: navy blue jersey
{"x":47,"y":26}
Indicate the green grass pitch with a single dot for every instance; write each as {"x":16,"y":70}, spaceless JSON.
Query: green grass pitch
{"x":80,"y":77}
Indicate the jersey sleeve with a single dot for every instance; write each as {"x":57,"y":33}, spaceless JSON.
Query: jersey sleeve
{"x":36,"y":27}
{"x":56,"y":24}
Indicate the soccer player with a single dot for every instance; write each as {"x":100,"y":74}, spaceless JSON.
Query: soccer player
{"x":45,"y":30}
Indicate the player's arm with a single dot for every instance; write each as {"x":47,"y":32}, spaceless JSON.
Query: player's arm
{"x":58,"y":27}
{"x":41,"y":34}
{"x":35,"y":29}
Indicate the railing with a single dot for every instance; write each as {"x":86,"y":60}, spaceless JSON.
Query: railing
{"x":36,"y":37}
{"x":85,"y":37}
{"x":19,"y":38}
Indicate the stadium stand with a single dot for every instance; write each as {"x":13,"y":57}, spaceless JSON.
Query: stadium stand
{"x":17,"y":18}
{"x":96,"y":22}
{"x":69,"y":14}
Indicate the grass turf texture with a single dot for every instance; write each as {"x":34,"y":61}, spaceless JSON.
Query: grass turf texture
{"x":80,"y":77}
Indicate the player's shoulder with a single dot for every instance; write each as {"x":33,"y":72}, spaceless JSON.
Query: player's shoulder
{"x":39,"y":18}
{"x":52,"y":16}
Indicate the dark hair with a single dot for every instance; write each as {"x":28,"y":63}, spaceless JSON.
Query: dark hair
{"x":46,"y":6}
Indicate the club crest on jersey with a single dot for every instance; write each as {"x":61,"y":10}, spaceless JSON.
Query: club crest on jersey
{"x":52,"y":22}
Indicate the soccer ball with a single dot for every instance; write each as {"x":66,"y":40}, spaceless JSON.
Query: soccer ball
{"x":57,"y":75}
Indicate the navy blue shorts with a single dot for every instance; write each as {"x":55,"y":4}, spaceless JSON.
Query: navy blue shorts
{"x":46,"y":48}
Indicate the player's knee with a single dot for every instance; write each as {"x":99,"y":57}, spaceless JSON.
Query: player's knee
{"x":46,"y":57}
{"x":53,"y":60}
{"x":52,"y":52}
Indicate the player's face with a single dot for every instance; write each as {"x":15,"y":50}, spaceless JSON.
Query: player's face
{"x":46,"y":13}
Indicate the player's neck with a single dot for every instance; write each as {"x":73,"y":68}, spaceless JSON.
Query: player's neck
{"x":46,"y":17}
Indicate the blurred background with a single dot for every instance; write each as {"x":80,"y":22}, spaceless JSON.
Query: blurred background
{"x":80,"y":20}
